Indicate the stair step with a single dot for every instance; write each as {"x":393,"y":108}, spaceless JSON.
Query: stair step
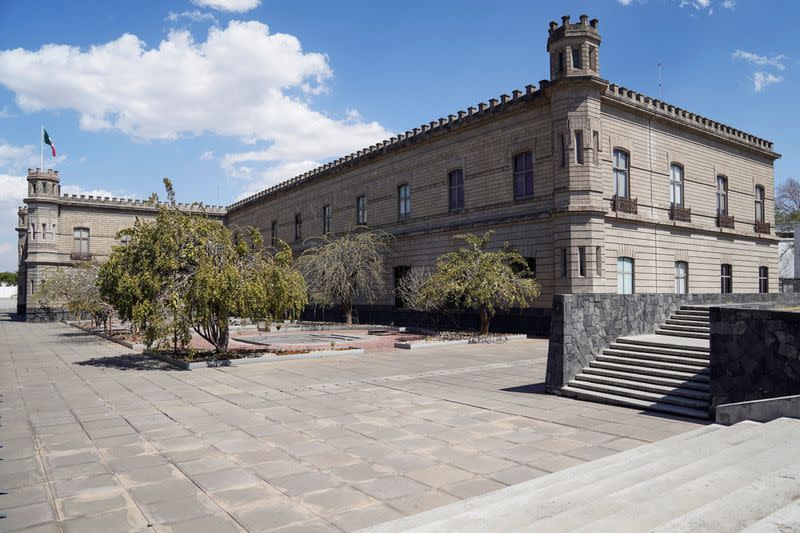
{"x":689,"y":307}
{"x":739,"y":509}
{"x":690,"y":323}
{"x":666,"y":343}
{"x":784,"y":519}
{"x":657,"y":380}
{"x":625,"y":401}
{"x":692,"y":315}
{"x":630,"y":383}
{"x":677,"y":363}
{"x":678,"y":352}
{"x":689,"y":334}
{"x":683,"y":327}
{"x":650,"y":356}
{"x":650,"y":371}
{"x":640,"y":394}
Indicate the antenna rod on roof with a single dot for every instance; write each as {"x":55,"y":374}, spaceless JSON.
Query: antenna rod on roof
{"x":659,"y":81}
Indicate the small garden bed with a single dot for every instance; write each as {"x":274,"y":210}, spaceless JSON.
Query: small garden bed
{"x":449,"y":338}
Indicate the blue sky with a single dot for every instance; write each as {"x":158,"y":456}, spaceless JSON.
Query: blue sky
{"x":229,"y":96}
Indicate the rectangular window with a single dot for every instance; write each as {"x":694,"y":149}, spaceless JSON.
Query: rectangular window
{"x":759,"y":203}
{"x":722,"y":195}
{"x":576,"y":58}
{"x":81,"y":242}
{"x":676,"y":185}
{"x":593,"y":58}
{"x":560,"y":65}
{"x":621,"y":166}
{"x":404,"y":201}
{"x":125,"y":240}
{"x":455,"y":181}
{"x":298,"y":226}
{"x":564,"y":262}
{"x":326,"y":219}
{"x":563,"y":143}
{"x":274,"y":233}
{"x":523,"y":175}
{"x":681,"y":277}
{"x":726,"y":279}
{"x":361,"y":210}
{"x":596,"y":146}
{"x":598,"y":252}
{"x":625,"y":275}
{"x":763,"y":280}
{"x":582,"y":261}
{"x":579,"y":147}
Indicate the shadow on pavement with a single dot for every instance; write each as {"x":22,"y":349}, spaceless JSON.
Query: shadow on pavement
{"x":129,"y":361}
{"x":533,"y":388}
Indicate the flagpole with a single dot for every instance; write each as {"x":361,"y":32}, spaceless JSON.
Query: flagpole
{"x":41,"y":150}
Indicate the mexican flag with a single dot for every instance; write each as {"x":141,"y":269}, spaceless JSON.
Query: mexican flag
{"x":49,"y":141}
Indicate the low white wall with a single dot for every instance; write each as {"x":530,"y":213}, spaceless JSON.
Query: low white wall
{"x":8,"y":291}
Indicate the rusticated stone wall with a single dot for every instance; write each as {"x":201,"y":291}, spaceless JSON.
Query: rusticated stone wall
{"x":755,"y":353}
{"x":582,"y":325}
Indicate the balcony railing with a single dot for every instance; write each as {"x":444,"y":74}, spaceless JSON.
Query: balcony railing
{"x":789,"y":284}
{"x":80,"y":256}
{"x":761,"y":227}
{"x":625,"y":205}
{"x":680,"y":214}
{"x":725,"y":221}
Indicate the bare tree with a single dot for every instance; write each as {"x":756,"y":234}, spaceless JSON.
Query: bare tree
{"x":340,"y":269}
{"x":787,"y":201}
{"x":409,"y":287}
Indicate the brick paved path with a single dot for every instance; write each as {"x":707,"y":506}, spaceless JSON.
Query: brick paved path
{"x":97,"y":438}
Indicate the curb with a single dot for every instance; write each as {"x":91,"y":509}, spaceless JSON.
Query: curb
{"x":268,"y":358}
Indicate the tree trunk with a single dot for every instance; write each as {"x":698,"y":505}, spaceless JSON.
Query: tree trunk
{"x":484,"y":321}
{"x":224,"y":338}
{"x":348,"y":313}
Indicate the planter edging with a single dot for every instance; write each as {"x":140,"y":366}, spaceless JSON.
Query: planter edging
{"x":268,"y":358}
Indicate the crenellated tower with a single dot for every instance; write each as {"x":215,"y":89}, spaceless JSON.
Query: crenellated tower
{"x":574,"y":48}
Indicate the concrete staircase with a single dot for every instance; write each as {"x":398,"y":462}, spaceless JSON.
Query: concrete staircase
{"x":715,"y":478}
{"x":667,"y":371}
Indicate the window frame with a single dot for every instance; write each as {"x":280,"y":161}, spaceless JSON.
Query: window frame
{"x":361,"y":210}
{"x":682,"y":277}
{"x":525,"y":174}
{"x":763,"y":280}
{"x":726,"y":278}
{"x":403,"y":201}
{"x":274,"y":233}
{"x":760,"y":196}
{"x":626,"y":281}
{"x":722,"y":195}
{"x":579,"y":155}
{"x":78,"y":241}
{"x":582,"y":261}
{"x":298,"y":227}
{"x":625,"y":171}
{"x":677,"y":184}
{"x":576,"y":55}
{"x":326,"y":219}
{"x":456,"y":189}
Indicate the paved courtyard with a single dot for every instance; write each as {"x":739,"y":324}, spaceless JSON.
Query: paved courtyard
{"x":97,"y":438}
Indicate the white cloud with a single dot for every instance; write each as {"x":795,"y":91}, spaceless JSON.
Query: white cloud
{"x":238,"y":6}
{"x":83,"y":159}
{"x":625,"y":2}
{"x":193,"y":16}
{"x":777,"y":61}
{"x":97,"y":193}
{"x":17,"y":157}
{"x":5,"y":113}
{"x":242,"y":82}
{"x":207,"y":156}
{"x":13,"y":189}
{"x":762,"y":80}
{"x":697,"y":5}
{"x":729,"y":4}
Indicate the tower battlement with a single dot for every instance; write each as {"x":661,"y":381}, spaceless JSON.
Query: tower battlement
{"x":574,"y":48}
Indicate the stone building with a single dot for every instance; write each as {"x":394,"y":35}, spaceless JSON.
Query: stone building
{"x":602,"y":188}
{"x":58,"y":230}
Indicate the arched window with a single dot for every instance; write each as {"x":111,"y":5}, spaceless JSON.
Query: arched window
{"x":759,"y":203}
{"x":404,"y":201}
{"x":523,"y":175}
{"x":722,"y":195}
{"x":455,"y":184}
{"x":676,"y":185}
{"x":625,"y":277}
{"x":621,"y":174}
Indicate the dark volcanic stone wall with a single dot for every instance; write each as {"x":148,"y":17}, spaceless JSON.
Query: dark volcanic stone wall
{"x":755,"y":354}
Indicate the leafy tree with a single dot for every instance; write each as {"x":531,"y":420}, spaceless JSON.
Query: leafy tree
{"x":74,"y":288}
{"x":471,"y":277}
{"x":340,"y":269}
{"x":8,"y":278}
{"x":185,"y":271}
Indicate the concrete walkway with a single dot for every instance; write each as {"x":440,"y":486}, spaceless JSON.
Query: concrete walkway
{"x":98,"y":438}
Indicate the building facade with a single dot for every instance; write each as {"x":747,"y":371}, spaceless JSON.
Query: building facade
{"x":602,"y":188}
